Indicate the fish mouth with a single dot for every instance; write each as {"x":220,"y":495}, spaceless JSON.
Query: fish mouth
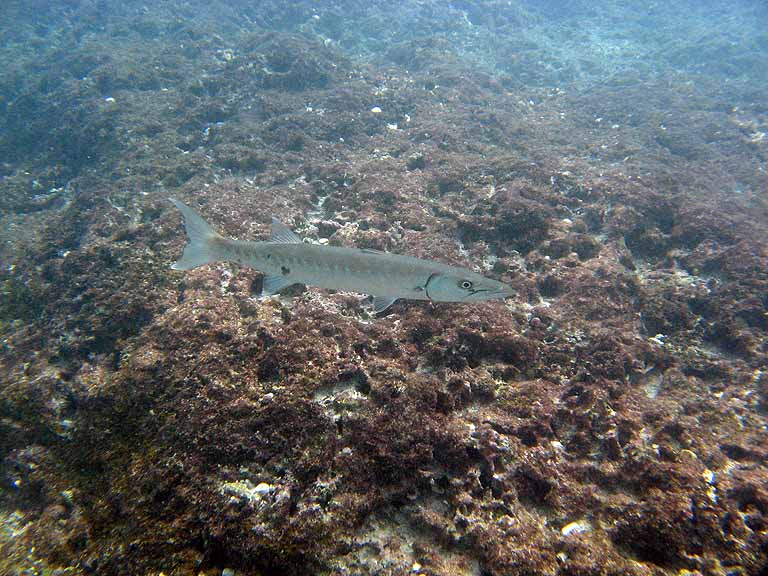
{"x":499,"y":294}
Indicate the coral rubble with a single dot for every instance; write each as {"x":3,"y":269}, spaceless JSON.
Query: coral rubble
{"x":610,"y":419}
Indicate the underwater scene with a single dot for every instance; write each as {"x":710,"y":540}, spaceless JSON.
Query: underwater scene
{"x":416,"y":287}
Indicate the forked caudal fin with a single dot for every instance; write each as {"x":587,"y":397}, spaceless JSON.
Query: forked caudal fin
{"x":201,"y":249}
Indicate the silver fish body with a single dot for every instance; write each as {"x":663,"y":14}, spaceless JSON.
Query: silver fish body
{"x":286,"y":260}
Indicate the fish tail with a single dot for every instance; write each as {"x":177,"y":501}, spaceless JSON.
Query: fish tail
{"x":203,"y":240}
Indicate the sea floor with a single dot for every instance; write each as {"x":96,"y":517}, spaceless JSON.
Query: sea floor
{"x":610,"y":419}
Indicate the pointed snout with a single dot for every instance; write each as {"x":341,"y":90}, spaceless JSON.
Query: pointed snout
{"x":501,"y":293}
{"x":497,"y":292}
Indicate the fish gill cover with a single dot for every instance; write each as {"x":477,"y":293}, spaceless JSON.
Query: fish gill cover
{"x":605,"y":159}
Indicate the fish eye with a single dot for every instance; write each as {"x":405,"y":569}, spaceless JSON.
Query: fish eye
{"x":466,"y":284}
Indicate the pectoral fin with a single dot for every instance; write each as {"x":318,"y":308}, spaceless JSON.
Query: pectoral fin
{"x":381,"y":303}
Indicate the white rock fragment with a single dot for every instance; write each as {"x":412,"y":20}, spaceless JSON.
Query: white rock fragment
{"x":709,"y":478}
{"x":263,"y":488}
{"x":658,"y":339}
{"x":376,"y":110}
{"x":245,"y":491}
{"x":577,"y":527}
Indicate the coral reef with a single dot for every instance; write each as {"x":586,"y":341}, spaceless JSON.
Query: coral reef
{"x":610,"y":419}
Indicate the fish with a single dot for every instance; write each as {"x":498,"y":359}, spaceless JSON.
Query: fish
{"x":286,"y":260}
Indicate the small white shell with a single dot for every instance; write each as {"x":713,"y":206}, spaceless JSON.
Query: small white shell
{"x":576,"y":527}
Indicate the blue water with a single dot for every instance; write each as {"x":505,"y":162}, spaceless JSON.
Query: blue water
{"x":606,"y":159}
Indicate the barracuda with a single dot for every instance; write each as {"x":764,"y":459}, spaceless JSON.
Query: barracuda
{"x":285,"y":260}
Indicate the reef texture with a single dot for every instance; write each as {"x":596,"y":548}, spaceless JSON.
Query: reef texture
{"x":610,"y":419}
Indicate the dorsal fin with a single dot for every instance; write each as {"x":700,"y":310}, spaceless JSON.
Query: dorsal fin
{"x":281,"y":234}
